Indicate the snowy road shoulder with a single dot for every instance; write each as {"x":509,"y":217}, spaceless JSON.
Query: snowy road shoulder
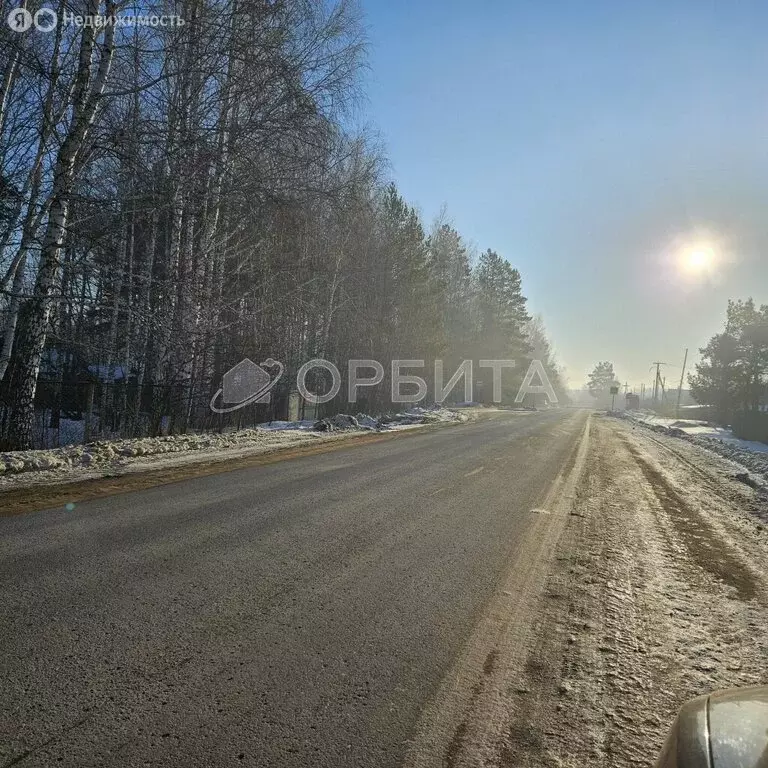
{"x":745,"y":456}
{"x":110,"y":458}
{"x":658,"y":594}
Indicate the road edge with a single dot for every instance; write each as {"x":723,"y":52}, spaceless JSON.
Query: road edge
{"x":36,"y":498}
{"x":466,"y":719}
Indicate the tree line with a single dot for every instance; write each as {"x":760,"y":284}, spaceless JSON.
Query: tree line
{"x":732,"y":376}
{"x":176,"y":198}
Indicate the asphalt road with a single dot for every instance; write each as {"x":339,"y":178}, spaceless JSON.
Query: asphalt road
{"x":296,"y":614}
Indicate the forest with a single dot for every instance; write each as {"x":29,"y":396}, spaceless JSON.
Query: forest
{"x":175,"y":198}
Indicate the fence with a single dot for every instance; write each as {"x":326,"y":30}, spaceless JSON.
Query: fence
{"x":68,"y":412}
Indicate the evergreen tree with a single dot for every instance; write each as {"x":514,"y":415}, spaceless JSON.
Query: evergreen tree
{"x":500,"y":308}
{"x":732,"y":375}
{"x":541,"y":349}
{"x":601,"y":380}
{"x":452,"y":273}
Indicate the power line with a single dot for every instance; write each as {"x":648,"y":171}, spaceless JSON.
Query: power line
{"x":657,"y":381}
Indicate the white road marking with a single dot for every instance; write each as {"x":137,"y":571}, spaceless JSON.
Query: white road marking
{"x":335,"y":467}
{"x":474,"y":472}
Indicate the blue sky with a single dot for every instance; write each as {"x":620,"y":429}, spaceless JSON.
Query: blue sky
{"x":589,"y":143}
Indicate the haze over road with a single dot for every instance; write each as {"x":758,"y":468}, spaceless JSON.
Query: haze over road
{"x":301,"y":613}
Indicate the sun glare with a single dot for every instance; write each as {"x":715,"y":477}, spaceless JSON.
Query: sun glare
{"x":698,"y":259}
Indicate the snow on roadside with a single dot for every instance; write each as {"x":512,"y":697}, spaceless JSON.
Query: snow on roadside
{"x":650,"y":604}
{"x":78,"y":462}
{"x":748,"y":455}
{"x":698,"y":428}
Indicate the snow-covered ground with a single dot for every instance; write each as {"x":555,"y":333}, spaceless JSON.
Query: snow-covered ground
{"x":750,"y":455}
{"x":109,"y":457}
{"x":699,"y":429}
{"x":657,"y":595}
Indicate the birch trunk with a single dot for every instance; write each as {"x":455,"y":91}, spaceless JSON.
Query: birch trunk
{"x":145,"y":317}
{"x":10,"y":74}
{"x":108,"y":387}
{"x":86,"y":93}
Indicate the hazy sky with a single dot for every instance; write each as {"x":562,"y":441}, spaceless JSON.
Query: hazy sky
{"x":588,"y":143}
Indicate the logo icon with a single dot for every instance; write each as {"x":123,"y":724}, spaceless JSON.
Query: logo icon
{"x":246,"y":383}
{"x":20,"y":20}
{"x":46,"y":20}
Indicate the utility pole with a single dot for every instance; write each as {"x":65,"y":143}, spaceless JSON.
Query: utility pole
{"x":680,"y":388}
{"x":657,"y":381}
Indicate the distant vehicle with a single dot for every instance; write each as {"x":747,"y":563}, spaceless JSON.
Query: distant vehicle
{"x":633,"y":402}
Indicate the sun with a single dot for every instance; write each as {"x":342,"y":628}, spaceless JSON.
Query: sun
{"x":698,"y":259}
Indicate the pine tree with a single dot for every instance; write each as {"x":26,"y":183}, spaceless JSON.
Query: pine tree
{"x":733,"y":373}
{"x":601,"y":380}
{"x":501,"y":308}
